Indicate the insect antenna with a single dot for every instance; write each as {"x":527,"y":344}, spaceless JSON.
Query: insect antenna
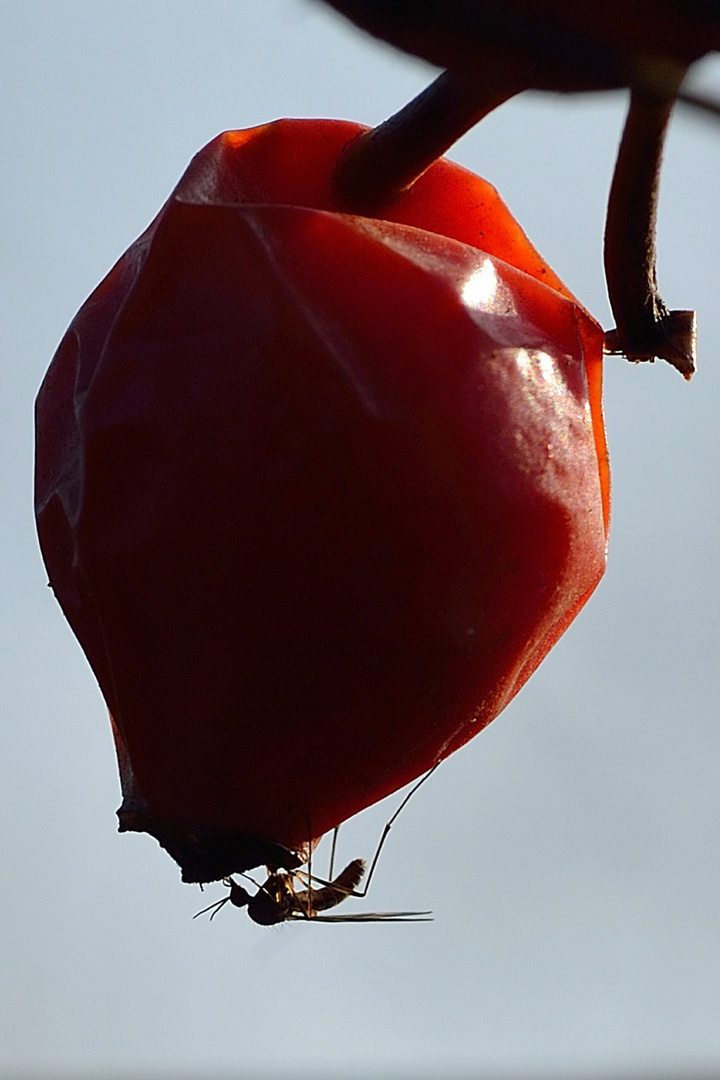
{"x":238,"y":897}
{"x":212,"y":907}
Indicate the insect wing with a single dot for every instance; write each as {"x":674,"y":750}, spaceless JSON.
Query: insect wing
{"x":371,"y":916}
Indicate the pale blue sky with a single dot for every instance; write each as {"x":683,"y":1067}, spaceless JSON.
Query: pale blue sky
{"x":571,"y":853}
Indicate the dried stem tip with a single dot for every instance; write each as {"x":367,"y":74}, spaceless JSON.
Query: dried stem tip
{"x":645,"y":327}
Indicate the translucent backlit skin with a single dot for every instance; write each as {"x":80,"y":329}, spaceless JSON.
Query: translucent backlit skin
{"x":316,"y":492}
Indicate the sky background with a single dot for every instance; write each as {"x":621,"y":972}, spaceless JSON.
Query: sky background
{"x":570,"y":854}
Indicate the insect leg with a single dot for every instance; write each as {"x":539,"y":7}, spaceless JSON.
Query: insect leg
{"x":388,"y":827}
{"x":345,"y":884}
{"x":333,"y":846}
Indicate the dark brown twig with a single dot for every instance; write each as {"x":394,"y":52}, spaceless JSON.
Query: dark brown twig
{"x":645,"y":327}
{"x":377,"y":167}
{"x":701,"y":103}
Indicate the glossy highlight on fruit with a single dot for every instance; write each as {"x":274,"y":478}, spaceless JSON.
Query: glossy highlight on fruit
{"x":316,"y":492}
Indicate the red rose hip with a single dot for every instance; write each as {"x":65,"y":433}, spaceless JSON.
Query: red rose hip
{"x":316,"y":492}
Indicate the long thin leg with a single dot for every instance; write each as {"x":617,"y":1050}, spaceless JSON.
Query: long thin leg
{"x":333,"y":846}
{"x":310,"y":875}
{"x":302,"y":902}
{"x":389,"y":826}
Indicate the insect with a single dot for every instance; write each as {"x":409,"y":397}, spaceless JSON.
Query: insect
{"x":279,"y":899}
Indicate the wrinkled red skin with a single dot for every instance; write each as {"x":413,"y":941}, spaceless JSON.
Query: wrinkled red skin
{"x":316,"y":492}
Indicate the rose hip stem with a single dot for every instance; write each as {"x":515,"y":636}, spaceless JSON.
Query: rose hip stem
{"x":645,"y":327}
{"x":376,"y":168}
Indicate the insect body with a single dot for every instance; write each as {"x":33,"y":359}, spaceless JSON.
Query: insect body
{"x":337,"y":890}
{"x":278,"y":900}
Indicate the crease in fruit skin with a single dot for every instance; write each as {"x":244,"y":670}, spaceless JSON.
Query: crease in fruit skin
{"x":336,"y":429}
